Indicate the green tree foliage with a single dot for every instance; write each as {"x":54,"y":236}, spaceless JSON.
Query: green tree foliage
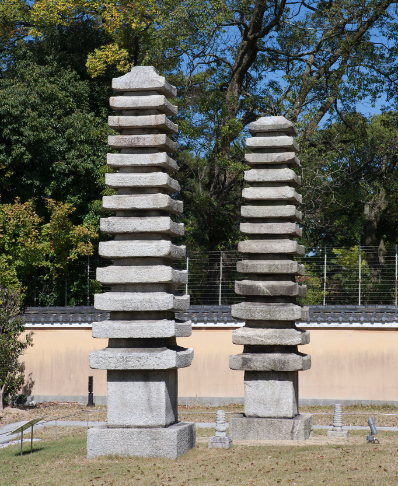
{"x":52,"y":162}
{"x":13,"y":343}
{"x":232,"y":62}
{"x":31,"y":247}
{"x":51,"y":145}
{"x":351,"y":182}
{"x":247,"y":59}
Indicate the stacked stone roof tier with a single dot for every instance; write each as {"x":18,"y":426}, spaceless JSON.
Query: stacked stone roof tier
{"x":270,"y":338}
{"x":142,"y":355}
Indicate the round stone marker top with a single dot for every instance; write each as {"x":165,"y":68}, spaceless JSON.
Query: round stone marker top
{"x":144,"y":78}
{"x":273,"y":124}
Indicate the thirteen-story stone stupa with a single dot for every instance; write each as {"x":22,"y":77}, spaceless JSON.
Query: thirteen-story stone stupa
{"x":142,"y":356}
{"x":270,"y":358}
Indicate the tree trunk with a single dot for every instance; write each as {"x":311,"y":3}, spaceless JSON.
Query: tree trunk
{"x":1,"y":396}
{"x":373,"y":231}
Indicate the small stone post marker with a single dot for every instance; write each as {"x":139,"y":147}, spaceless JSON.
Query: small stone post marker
{"x":220,"y":439}
{"x":142,"y":356}
{"x":337,"y":430}
{"x":270,"y":358}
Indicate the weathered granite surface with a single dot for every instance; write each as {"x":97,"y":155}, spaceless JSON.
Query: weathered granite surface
{"x":171,"y":442}
{"x":270,"y":338}
{"x":252,"y":428}
{"x":142,"y":356}
{"x":220,"y":439}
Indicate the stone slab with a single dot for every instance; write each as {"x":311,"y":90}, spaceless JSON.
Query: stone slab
{"x":152,"y":102}
{"x":272,"y":175}
{"x":160,"y":141}
{"x":160,"y":122}
{"x":149,"y":224}
{"x":125,"y":274}
{"x":290,"y":229}
{"x":257,"y":311}
{"x":273,"y":158}
{"x":273,"y":124}
{"x":337,"y":433}
{"x":142,"y":202}
{"x":250,"y":428}
{"x":270,"y":362}
{"x":288,"y":247}
{"x":144,"y":78}
{"x":163,"y":328}
{"x":154,"y":179}
{"x":140,"y":358}
{"x":142,"y":398}
{"x":216,"y":442}
{"x":270,"y":337}
{"x":270,"y":288}
{"x":170,"y":442}
{"x":270,"y":266}
{"x":279,"y":142}
{"x":140,"y":301}
{"x":160,"y":159}
{"x":289,"y":212}
{"x":271,"y":394}
{"x":140,"y":248}
{"x":285,"y":194}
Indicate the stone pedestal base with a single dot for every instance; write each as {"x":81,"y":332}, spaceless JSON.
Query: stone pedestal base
{"x":171,"y":442}
{"x":251,"y":428}
{"x":271,"y":394}
{"x":220,"y":442}
{"x":337,"y":433}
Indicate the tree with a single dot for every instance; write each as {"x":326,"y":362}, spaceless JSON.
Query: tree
{"x":350,"y":185}
{"x":51,"y":145}
{"x":12,"y":343}
{"x":246,"y":59}
{"x":232,"y":61}
{"x":32,"y":249}
{"x":123,"y":22}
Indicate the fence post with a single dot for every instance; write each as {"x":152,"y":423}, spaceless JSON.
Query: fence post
{"x":88,"y":280}
{"x":35,"y":300}
{"x":66,"y":287}
{"x":359,"y":275}
{"x":396,"y":274}
{"x":324,"y":278}
{"x":186,"y":285}
{"x":219,"y":290}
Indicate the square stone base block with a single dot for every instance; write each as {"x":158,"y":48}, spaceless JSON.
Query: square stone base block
{"x":172,"y":441}
{"x":251,"y":428}
{"x":337,"y":433}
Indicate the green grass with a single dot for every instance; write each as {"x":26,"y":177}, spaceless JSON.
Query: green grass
{"x":320,"y":461}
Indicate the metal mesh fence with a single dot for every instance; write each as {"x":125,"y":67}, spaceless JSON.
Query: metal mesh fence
{"x":334,"y":276}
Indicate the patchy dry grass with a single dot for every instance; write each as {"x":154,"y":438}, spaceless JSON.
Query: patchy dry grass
{"x":352,"y":415}
{"x":53,"y":411}
{"x":320,"y":461}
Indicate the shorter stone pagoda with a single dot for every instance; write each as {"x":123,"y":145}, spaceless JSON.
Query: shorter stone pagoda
{"x":270,"y":358}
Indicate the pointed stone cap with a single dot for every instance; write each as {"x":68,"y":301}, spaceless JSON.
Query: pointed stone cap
{"x":144,"y":78}
{"x":273,"y":124}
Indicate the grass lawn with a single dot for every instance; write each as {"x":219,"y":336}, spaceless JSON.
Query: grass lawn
{"x":319,"y":461}
{"x":323,"y":415}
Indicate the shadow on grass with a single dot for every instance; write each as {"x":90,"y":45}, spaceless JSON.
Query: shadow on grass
{"x":28,"y":451}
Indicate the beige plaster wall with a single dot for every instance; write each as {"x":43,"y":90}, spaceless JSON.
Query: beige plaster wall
{"x":356,"y":364}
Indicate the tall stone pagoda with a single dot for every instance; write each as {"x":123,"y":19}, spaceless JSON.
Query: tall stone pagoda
{"x":270,"y":358}
{"x":142,"y":356}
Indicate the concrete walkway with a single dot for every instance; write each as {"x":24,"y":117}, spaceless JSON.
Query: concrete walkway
{"x":6,"y":429}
